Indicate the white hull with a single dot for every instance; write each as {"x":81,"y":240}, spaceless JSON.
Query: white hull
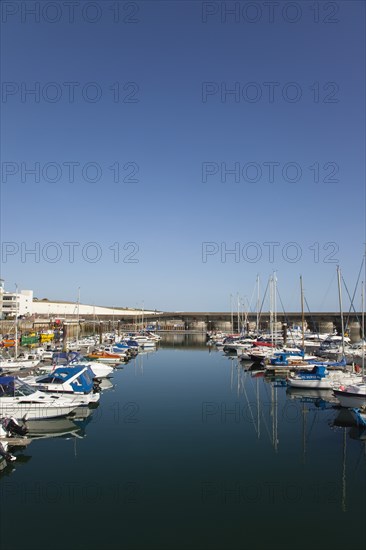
{"x":351,"y":401}
{"x":148,"y":344}
{"x":100,"y":370}
{"x":109,"y":360}
{"x":330,"y":382}
{"x":16,"y":365}
{"x":58,"y":391}
{"x":34,"y":411}
{"x":353,"y":396}
{"x":312,"y":384}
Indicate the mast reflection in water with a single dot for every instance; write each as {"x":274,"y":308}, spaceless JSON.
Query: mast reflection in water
{"x":192,"y":450}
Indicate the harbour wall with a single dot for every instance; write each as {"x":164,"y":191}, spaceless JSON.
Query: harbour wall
{"x":198,"y":322}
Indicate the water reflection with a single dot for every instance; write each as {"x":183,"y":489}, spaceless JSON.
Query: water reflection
{"x":182,"y":340}
{"x":320,"y":398}
{"x":53,"y":427}
{"x":6,"y":469}
{"x":142,"y":359}
{"x":73,"y":425}
{"x":209,"y":420}
{"x":68,"y":427}
{"x":269,"y":399}
{"x":106,"y":384}
{"x":276,"y":411}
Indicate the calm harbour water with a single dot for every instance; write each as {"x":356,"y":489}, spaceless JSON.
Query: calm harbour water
{"x":190,"y":451}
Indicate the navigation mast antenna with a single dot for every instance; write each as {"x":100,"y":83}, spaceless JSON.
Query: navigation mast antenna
{"x":363,"y":318}
{"x":16,"y":322}
{"x":363,"y":327}
{"x":232,"y":314}
{"x":275,"y":306}
{"x":238,"y":307}
{"x":340,"y":306}
{"x":302,"y":313}
{"x":258,"y":305}
{"x":78,"y":317}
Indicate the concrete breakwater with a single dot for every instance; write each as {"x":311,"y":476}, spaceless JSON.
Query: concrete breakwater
{"x":320,"y":322}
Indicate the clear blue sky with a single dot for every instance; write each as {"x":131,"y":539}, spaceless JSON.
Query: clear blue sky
{"x":176,"y":125}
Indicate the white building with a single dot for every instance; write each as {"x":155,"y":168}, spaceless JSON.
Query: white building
{"x":22,"y":303}
{"x":13,"y":304}
{"x":62,"y":310}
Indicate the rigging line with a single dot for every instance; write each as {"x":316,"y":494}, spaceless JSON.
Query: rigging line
{"x":264,"y":297}
{"x":266,"y":389}
{"x":328,"y":289}
{"x":250,"y":408}
{"x":312,"y":424}
{"x":351,"y":303}
{"x":358,"y":279}
{"x":250,"y":303}
{"x":265,"y":425}
{"x":285,"y":314}
{"x":311,"y":317}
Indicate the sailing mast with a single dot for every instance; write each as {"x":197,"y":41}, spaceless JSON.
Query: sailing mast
{"x":363,"y":328}
{"x":16,"y":322}
{"x":275,"y":306}
{"x":258,"y":305}
{"x":340,"y":306}
{"x":238,"y":307}
{"x":363,"y":319}
{"x":232,"y":314}
{"x":271,"y":307}
{"x":258,"y":413}
{"x":302,"y":314}
{"x":78,"y":315}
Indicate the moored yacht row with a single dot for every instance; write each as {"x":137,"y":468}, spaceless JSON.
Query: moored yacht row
{"x":300,"y":370}
{"x":69,"y":384}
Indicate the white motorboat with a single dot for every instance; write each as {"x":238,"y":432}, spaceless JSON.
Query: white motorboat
{"x":25,"y":362}
{"x":352,"y":396}
{"x":73,"y":359}
{"x":320,"y":378}
{"x":69,"y":380}
{"x":100,"y":370}
{"x":20,"y":400}
{"x":107,"y":357}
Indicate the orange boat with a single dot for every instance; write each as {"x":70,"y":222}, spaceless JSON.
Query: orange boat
{"x":7,"y":343}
